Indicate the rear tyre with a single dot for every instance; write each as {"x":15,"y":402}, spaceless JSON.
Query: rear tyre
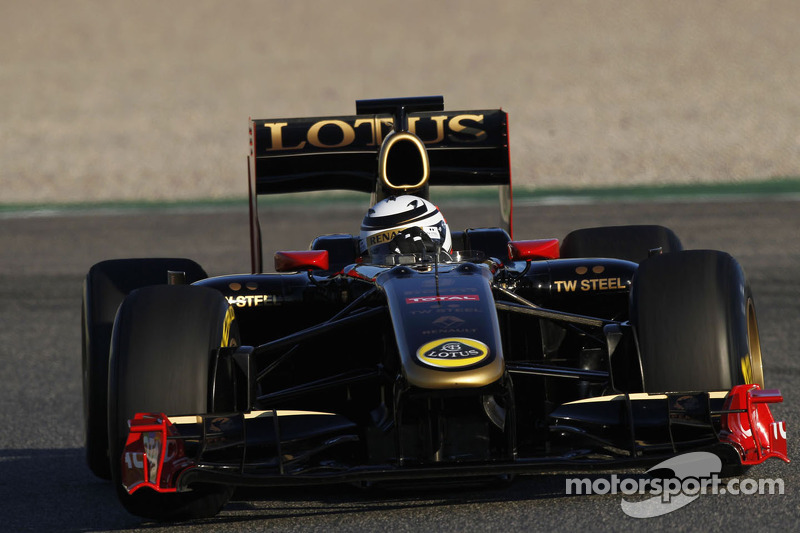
{"x":104,"y":288}
{"x":162,"y":358}
{"x":631,"y":243}
{"x":695,"y":323}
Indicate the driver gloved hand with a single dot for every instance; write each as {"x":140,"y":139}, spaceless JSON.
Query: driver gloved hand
{"x":412,"y":240}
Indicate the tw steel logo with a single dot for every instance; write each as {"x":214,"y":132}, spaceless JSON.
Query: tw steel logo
{"x":343,"y":132}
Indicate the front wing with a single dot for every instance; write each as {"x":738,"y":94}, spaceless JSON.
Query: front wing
{"x":278,"y":447}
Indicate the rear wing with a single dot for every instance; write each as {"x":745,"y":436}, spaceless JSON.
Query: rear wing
{"x":342,"y":152}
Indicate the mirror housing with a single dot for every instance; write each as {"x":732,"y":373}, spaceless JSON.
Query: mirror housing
{"x":534,"y":250}
{"x":301,"y":260}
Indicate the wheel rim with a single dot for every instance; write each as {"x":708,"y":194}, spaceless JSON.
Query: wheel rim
{"x":754,"y":345}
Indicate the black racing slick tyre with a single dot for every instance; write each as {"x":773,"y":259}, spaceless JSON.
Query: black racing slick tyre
{"x":104,"y":288}
{"x":162,"y":356}
{"x":695,"y":323}
{"x":631,"y":243}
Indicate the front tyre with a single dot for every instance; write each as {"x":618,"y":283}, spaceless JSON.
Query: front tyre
{"x":105,"y":287}
{"x":162,"y":355}
{"x":695,"y":323}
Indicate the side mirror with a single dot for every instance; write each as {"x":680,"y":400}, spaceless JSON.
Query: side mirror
{"x":533,"y":250}
{"x":302,"y":260}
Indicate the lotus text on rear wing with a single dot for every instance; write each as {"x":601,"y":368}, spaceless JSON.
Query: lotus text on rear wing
{"x":336,"y":133}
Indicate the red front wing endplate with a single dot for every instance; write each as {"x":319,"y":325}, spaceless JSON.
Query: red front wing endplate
{"x":150,"y":458}
{"x":748,"y":425}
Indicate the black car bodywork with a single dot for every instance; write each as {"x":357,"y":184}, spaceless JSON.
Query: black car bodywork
{"x":503,"y":357}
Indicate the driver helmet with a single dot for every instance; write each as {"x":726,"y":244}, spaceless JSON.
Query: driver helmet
{"x":394,"y":214}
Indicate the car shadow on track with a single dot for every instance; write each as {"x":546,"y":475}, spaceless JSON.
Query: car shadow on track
{"x":53,"y":490}
{"x":311,"y":504}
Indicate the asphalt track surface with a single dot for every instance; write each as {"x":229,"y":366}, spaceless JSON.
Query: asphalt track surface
{"x":45,"y":485}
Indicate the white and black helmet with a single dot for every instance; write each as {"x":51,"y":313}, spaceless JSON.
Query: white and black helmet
{"x":391,"y":216}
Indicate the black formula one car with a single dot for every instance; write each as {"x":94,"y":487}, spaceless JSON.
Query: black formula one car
{"x":413,"y":351}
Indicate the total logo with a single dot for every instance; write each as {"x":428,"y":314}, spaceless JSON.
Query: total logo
{"x":445,"y":298}
{"x":452,"y":352}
